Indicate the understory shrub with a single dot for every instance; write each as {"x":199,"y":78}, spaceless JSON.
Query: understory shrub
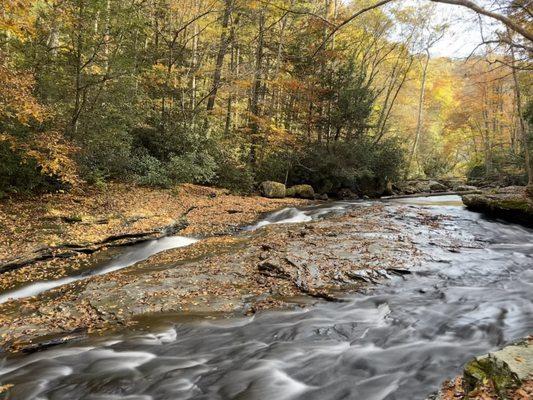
{"x":359,"y":165}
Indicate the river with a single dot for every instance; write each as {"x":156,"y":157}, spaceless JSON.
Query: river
{"x":398,"y":340}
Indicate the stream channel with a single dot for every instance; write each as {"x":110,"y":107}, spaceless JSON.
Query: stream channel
{"x":397,"y":340}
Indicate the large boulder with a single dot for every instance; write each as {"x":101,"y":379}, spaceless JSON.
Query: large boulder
{"x":509,"y":203}
{"x":273,"y":190}
{"x":503,"y":374}
{"x":411,"y":187}
{"x":302,"y":191}
{"x":465,"y":188}
{"x":290,"y":192}
{"x":435,"y":186}
{"x":506,"y":368}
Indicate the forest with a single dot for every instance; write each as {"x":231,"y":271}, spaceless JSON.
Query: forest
{"x":230,"y":93}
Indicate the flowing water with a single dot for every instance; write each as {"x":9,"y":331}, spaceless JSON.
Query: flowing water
{"x":130,"y":255}
{"x":397,"y":341}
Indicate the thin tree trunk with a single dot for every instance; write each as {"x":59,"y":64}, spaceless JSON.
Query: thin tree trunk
{"x":420,"y":114}
{"x":256,"y":91}
{"x":524,"y":134}
{"x":224,"y":41}
{"x":78,"y":72}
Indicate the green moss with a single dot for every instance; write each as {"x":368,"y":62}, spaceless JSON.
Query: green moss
{"x":513,"y":204}
{"x":291,"y":192}
{"x":304,"y":191}
{"x":488,"y":369}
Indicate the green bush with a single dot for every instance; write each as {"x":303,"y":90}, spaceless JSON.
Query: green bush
{"x":233,"y":173}
{"x":359,"y":165}
{"x":197,"y":167}
{"x":21,"y":175}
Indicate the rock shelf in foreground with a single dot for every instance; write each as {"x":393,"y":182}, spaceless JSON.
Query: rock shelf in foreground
{"x":503,"y":374}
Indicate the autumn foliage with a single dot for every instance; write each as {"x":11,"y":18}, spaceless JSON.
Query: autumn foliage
{"x":230,"y":92}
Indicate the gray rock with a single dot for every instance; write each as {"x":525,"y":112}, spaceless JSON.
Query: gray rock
{"x":322,"y":197}
{"x":465,"y":188}
{"x":435,"y":186}
{"x":506,"y":368}
{"x":273,"y":190}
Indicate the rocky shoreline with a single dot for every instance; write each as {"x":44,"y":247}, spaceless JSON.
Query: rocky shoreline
{"x":510,"y":203}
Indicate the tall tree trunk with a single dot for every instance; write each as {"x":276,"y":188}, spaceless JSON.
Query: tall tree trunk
{"x":523,"y":127}
{"x":256,"y":90}
{"x":78,"y":70}
{"x":486,"y":136}
{"x":420,"y":114}
{"x":222,"y":48}
{"x":107,"y":36}
{"x":194,"y":63}
{"x":233,"y":66}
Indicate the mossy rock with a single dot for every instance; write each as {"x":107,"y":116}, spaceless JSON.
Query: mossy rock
{"x":435,"y":186}
{"x":505,"y":369}
{"x":506,"y":203}
{"x":273,"y":190}
{"x":303,"y":191}
{"x":290,"y":192}
{"x":465,"y":188}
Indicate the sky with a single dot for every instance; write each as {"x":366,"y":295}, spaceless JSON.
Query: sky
{"x":463,"y":34}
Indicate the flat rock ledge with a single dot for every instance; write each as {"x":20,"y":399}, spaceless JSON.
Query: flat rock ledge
{"x":510,"y":203}
{"x":232,"y":274}
{"x":503,"y":374}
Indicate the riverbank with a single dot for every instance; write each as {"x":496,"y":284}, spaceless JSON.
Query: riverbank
{"x":510,"y":203}
{"x":242,"y":274}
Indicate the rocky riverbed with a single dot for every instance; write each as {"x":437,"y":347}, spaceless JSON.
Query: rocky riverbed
{"x":243,"y":273}
{"x":381,"y":300}
{"x":56,"y":235}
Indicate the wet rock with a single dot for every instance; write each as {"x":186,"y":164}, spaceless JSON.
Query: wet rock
{"x":323,"y":197}
{"x":273,"y":269}
{"x":508,"y":203}
{"x":317,"y":258}
{"x":363,"y":276}
{"x":506,"y":368}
